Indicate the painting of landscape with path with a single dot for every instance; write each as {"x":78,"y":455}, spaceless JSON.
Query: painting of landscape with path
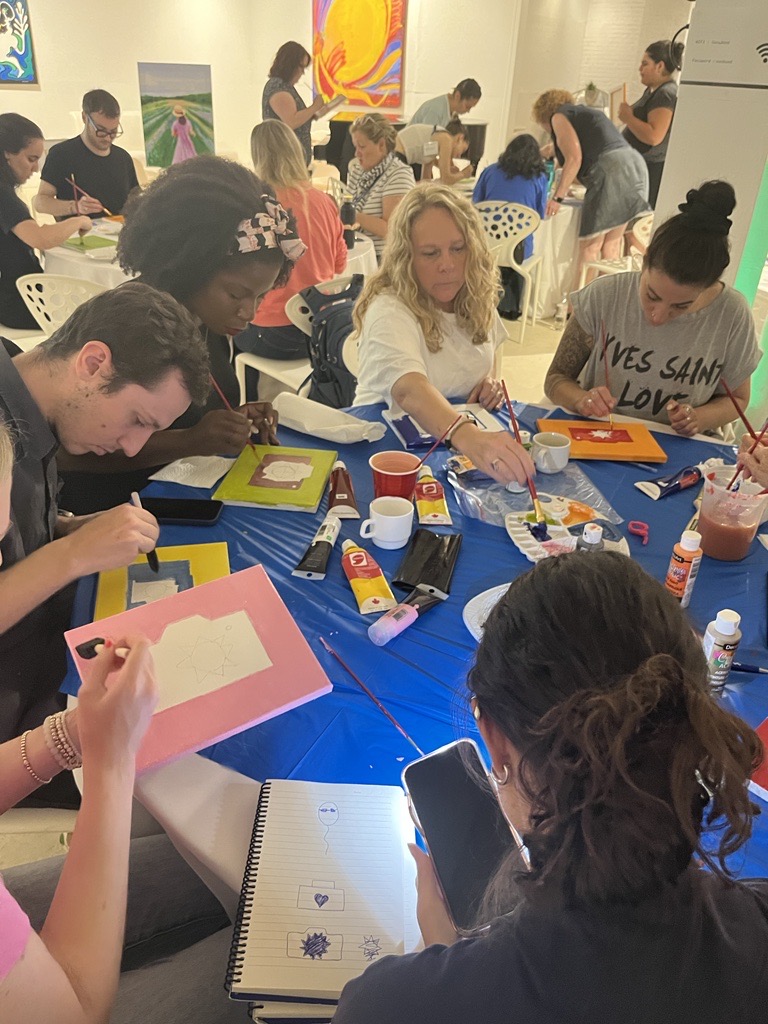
{"x":176,"y":111}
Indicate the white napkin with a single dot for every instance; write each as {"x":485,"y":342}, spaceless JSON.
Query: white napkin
{"x":194,"y":471}
{"x":319,"y":420}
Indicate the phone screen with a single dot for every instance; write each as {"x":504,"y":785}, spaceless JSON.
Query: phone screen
{"x":183,"y":510}
{"x":465,"y":832}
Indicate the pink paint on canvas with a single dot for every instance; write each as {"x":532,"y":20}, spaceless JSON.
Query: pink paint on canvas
{"x":228,"y":655}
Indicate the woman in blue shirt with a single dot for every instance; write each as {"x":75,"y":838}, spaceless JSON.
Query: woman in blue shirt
{"x":518,"y":177}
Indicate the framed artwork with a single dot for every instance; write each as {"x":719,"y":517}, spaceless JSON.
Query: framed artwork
{"x":176,"y":112}
{"x":358,"y":51}
{"x":618,"y":96}
{"x":594,"y":439}
{"x":17,"y":58}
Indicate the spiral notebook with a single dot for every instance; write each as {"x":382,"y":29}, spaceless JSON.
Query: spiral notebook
{"x":328,"y":889}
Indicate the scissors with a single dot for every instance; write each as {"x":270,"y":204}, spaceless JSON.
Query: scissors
{"x":639,"y":529}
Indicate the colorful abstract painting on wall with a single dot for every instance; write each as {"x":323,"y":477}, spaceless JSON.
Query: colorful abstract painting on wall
{"x":17,"y":58}
{"x":358,"y":50}
{"x":176,"y":111}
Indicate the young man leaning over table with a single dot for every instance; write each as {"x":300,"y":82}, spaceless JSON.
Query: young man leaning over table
{"x":124,"y":365}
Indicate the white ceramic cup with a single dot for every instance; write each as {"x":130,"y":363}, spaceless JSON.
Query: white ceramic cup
{"x":390,"y":522}
{"x":550,"y":452}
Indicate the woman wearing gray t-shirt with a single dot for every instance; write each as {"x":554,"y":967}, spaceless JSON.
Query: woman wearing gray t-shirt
{"x":673,"y":332}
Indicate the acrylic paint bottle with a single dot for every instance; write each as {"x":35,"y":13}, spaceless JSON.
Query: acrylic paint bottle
{"x":684,"y":567}
{"x":592,"y":539}
{"x":369,"y":585}
{"x":720,"y":642}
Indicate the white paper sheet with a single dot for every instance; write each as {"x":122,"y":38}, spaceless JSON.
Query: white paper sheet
{"x":195,"y":471}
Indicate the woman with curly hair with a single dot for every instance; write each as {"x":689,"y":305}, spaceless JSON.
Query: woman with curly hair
{"x":213,"y":235}
{"x":627,"y":782}
{"x":428,"y":328}
{"x":589,"y":147}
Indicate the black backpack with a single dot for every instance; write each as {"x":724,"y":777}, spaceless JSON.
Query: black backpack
{"x":331,"y":383}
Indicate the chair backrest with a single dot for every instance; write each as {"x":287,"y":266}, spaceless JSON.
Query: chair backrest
{"x":299,"y":313}
{"x":507,"y":224}
{"x":640,"y":233}
{"x":52,"y":298}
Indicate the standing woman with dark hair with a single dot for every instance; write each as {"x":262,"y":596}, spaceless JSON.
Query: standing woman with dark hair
{"x":219,"y":263}
{"x":674,"y":331}
{"x":21,"y":149}
{"x":624,"y":778}
{"x":649,"y":119}
{"x":280,"y":99}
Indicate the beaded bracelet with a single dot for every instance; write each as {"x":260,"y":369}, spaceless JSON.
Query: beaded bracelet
{"x":25,"y":761}
{"x":59,"y":742}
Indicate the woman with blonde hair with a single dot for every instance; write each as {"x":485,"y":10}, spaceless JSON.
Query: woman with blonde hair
{"x":428,"y":328}
{"x":377,"y":178}
{"x":589,"y":147}
{"x":279,"y":161}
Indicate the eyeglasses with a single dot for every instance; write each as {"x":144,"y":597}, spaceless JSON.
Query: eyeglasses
{"x":105,"y":133}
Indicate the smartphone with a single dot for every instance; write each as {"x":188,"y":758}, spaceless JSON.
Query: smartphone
{"x":184,"y":511}
{"x":459,"y":818}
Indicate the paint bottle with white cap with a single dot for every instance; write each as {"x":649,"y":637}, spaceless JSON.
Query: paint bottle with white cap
{"x":684,"y":567}
{"x":720,"y":642}
{"x":592,"y":539}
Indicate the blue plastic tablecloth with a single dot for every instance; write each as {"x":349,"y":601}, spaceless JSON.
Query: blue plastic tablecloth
{"x":419,"y":676}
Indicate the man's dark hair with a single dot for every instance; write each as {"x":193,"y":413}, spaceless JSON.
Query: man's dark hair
{"x":287,"y":60}
{"x":16,"y":132}
{"x":179,"y":232}
{"x":99,"y":101}
{"x":148,"y":333}
{"x":468,"y":89}
{"x":522,"y":156}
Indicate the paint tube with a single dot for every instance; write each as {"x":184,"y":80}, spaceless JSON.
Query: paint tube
{"x":430,"y":500}
{"x":465,"y":469}
{"x":689,"y":476}
{"x":341,"y":493}
{"x":315,"y":559}
{"x":404,"y":615}
{"x":369,"y":585}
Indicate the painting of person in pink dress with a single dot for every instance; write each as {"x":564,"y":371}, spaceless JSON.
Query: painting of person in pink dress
{"x":182,"y":131}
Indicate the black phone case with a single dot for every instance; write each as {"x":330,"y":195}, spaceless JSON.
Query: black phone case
{"x":429,"y":562}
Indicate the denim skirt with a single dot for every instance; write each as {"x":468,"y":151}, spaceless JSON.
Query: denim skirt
{"x":617,"y":191}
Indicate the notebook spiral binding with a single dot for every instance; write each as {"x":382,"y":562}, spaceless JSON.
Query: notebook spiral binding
{"x":245,"y":905}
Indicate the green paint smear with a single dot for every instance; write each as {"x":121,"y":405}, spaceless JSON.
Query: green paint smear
{"x":747,"y":281}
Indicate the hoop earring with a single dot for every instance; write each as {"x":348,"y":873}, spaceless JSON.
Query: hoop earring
{"x":500,"y":781}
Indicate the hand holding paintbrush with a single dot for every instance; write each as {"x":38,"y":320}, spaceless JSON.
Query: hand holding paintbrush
{"x":540,"y":530}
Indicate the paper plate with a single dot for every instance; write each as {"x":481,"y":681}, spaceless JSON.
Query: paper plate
{"x":480,"y":607}
{"x":103,"y":255}
{"x":107,"y":227}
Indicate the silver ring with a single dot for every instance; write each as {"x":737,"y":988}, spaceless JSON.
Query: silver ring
{"x":495,"y":463}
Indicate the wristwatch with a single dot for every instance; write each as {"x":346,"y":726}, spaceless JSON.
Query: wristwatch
{"x":465,"y":418}
{"x":558,"y":199}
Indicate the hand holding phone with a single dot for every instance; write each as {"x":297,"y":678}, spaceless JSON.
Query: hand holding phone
{"x":435,"y":923}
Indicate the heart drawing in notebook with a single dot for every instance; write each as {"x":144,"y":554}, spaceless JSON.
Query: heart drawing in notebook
{"x":321,"y":898}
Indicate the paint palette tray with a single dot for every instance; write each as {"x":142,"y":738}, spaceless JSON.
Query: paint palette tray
{"x":563,"y":538}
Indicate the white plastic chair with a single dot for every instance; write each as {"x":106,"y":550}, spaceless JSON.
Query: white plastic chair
{"x":52,"y":298}
{"x":639,"y":233}
{"x":506,"y":225}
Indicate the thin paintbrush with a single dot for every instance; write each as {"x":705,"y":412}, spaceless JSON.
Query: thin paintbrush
{"x":738,"y":409}
{"x":76,"y":188}
{"x":605,"y":366}
{"x":223,"y":397}
{"x":540,"y":518}
{"x":368,"y":693}
{"x":74,"y":193}
{"x":739,"y":465}
{"x":440,"y":439}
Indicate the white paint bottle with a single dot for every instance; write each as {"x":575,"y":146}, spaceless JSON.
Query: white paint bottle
{"x":720,"y":642}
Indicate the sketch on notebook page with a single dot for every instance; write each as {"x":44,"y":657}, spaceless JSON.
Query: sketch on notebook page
{"x":321,"y":896}
{"x":328,"y":813}
{"x":315,"y":944}
{"x":371,"y":947}
{"x":195,"y":656}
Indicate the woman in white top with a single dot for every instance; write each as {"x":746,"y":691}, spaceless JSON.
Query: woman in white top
{"x":428,"y":327}
{"x":448,"y":144}
{"x":377,"y":179}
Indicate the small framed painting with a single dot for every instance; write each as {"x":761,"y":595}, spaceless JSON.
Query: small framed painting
{"x":618,"y":96}
{"x":17,"y":58}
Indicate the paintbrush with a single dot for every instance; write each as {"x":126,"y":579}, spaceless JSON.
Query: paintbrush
{"x":739,"y":465}
{"x":605,"y":366}
{"x":76,"y":188}
{"x":223,"y":397}
{"x":74,"y":194}
{"x":440,"y":440}
{"x":738,"y":409}
{"x":541,"y":521}
{"x":374,"y":698}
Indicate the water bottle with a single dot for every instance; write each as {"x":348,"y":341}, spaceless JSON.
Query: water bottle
{"x":549,"y":166}
{"x":348,"y":218}
{"x":561,"y":312}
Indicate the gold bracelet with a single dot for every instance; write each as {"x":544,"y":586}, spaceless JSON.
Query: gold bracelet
{"x":25,"y":761}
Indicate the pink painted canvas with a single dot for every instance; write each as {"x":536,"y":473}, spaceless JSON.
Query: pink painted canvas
{"x":227,"y":655}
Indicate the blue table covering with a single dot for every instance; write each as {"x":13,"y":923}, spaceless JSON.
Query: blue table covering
{"x":420,"y":676}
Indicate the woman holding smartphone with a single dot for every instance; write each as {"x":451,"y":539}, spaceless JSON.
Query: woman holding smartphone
{"x":613,"y":761}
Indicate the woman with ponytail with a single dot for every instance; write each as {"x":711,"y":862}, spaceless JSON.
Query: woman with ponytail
{"x":649,"y":119}
{"x":628,"y":784}
{"x":674,"y":331}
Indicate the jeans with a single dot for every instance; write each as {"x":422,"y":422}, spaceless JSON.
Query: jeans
{"x":177,"y":937}
{"x":287,"y":342}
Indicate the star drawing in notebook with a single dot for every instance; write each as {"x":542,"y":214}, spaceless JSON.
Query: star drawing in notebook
{"x":370,"y":946}
{"x":207,"y":656}
{"x":315,"y":945}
